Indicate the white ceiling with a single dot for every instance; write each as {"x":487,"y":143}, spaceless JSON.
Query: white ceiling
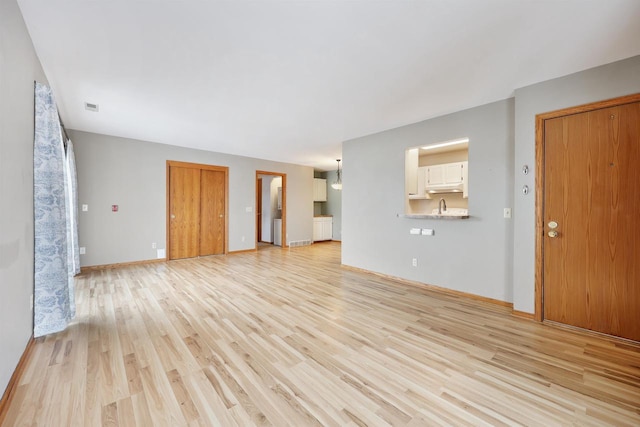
{"x":290,"y":80}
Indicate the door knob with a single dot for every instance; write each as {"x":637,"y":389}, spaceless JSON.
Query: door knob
{"x":173,"y":216}
{"x":553,"y":233}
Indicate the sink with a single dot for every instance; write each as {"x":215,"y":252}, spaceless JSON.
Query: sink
{"x":451,"y":212}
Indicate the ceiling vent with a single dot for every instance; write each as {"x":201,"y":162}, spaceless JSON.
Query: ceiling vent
{"x":91,"y":107}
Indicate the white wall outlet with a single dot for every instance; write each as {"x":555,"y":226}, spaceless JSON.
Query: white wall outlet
{"x":83,"y":250}
{"x":507,"y":212}
{"x":153,"y":245}
{"x":31,"y":302}
{"x":414,"y":262}
{"x":85,"y":208}
{"x":161,"y":254}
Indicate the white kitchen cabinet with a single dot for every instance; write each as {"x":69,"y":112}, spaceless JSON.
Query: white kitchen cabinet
{"x":446,"y":174}
{"x":435,"y":175}
{"x":322,"y":228}
{"x":319,"y":190}
{"x":453,"y":173}
{"x":411,"y":159}
{"x":317,"y":229}
{"x":421,"y":179}
{"x":445,"y":177}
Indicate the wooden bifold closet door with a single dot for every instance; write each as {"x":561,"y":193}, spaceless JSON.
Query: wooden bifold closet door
{"x":196,"y":210}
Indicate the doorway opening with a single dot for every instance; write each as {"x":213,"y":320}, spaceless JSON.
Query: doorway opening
{"x":271,"y":208}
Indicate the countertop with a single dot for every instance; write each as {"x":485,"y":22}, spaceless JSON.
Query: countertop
{"x":432,"y":216}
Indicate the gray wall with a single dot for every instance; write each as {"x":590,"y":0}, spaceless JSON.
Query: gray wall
{"x":597,"y":84}
{"x":473,"y":255}
{"x":132,"y":174}
{"x":19,"y":68}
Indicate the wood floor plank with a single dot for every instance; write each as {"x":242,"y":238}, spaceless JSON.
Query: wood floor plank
{"x":291,"y":338}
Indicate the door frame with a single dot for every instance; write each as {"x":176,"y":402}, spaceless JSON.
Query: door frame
{"x":259,"y":209}
{"x":225,"y":169}
{"x":539,"y":184}
{"x":284,"y":204}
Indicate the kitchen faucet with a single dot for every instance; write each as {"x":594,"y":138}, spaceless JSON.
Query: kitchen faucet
{"x":440,"y":205}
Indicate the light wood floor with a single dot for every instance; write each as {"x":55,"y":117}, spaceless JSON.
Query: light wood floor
{"x":289,"y":337}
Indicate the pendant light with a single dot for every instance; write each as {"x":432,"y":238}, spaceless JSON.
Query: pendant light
{"x":337,"y":185}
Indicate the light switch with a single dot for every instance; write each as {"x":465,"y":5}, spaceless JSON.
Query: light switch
{"x":428,"y":232}
{"x":507,"y":212}
{"x":85,"y":208}
{"x":414,"y":231}
{"x":248,"y":209}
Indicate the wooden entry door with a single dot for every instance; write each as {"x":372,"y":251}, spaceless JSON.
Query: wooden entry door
{"x":197,"y":210}
{"x":591,"y":215}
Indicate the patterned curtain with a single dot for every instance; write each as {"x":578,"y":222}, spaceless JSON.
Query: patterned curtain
{"x":72,"y":179}
{"x":53,"y":306}
{"x":71,"y":204}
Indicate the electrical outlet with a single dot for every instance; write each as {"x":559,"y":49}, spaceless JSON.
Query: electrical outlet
{"x":83,"y":250}
{"x":414,"y":262}
{"x":153,"y":245}
{"x":507,"y":212}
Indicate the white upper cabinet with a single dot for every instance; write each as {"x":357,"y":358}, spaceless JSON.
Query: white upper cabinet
{"x":454,"y":173}
{"x":421,"y":180}
{"x":435,"y":176}
{"x":411,"y":160}
{"x":448,"y":178}
{"x":319,"y":190}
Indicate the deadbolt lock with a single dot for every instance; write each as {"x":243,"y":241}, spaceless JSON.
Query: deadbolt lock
{"x":553,"y":225}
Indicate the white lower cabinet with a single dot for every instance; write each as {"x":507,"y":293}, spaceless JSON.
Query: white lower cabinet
{"x":322,"y":228}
